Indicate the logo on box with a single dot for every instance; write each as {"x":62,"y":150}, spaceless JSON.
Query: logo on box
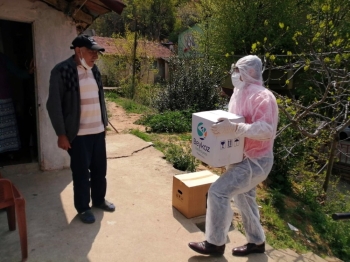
{"x":201,"y":131}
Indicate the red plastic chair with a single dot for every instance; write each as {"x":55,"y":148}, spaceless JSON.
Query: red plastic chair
{"x":14,"y":203}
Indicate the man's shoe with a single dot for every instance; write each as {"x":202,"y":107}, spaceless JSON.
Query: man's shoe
{"x":206,"y":248}
{"x":106,"y":206}
{"x":87,"y":217}
{"x":248,"y":249}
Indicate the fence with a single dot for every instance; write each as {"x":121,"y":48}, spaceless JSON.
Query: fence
{"x":342,"y":167}
{"x":344,"y":152}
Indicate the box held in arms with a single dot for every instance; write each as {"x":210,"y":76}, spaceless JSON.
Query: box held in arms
{"x":190,"y":192}
{"x":215,"y":150}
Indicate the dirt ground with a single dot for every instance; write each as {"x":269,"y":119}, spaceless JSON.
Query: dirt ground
{"x":120,"y":120}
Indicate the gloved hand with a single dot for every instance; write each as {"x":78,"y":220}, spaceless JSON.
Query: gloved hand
{"x":224,"y":126}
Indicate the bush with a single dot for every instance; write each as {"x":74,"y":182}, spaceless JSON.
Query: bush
{"x":146,"y":93}
{"x":168,"y":122}
{"x":296,"y":159}
{"x":193,"y":85}
{"x":181,"y":158}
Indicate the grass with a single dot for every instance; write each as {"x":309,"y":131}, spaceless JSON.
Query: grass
{"x":142,"y":135}
{"x":176,"y":149}
{"x":317,"y":232}
{"x":128,"y":105}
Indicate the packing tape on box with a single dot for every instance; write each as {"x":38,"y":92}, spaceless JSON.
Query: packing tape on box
{"x":195,"y":178}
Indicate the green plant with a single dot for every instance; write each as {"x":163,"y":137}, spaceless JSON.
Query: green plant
{"x":180,"y":157}
{"x":129,"y":106}
{"x":146,"y":93}
{"x":168,"y":121}
{"x":311,"y":215}
{"x":193,"y":85}
{"x":142,"y":135}
{"x":179,"y":154}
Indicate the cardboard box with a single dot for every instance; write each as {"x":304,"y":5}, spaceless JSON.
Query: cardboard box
{"x":190,"y":192}
{"x":215,"y":150}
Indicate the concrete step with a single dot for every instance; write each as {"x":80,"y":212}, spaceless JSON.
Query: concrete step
{"x":288,"y":255}
{"x":333,"y":259}
{"x":312,"y":257}
{"x":285,"y":255}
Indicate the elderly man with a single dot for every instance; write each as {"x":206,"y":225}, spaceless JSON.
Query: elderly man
{"x":259,"y":107}
{"x":78,"y":115}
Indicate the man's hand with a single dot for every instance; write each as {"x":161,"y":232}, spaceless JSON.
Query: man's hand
{"x":63,"y":142}
{"x":224,"y":126}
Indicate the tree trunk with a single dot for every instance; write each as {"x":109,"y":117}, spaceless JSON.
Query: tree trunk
{"x":330,"y":163}
{"x":132,"y":93}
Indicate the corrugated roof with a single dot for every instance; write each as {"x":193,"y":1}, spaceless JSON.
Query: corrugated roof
{"x":120,"y":46}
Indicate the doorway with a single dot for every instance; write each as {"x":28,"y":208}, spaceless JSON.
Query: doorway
{"x":18,"y":114}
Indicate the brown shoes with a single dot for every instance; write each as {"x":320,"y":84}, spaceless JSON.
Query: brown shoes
{"x":248,"y":249}
{"x":206,"y":248}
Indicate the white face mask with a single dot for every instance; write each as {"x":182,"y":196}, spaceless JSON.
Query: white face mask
{"x":83,"y":63}
{"x":236,"y":81}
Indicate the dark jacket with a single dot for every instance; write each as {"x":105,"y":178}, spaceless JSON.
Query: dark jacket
{"x":63,"y":103}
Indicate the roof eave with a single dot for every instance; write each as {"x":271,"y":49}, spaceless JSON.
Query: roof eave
{"x":84,"y":12}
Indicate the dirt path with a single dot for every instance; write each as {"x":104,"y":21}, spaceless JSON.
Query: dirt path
{"x":121,"y":120}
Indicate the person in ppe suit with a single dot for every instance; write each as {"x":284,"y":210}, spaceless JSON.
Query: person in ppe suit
{"x":259,"y":107}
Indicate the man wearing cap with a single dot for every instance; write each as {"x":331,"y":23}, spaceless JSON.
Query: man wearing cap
{"x":78,"y":114}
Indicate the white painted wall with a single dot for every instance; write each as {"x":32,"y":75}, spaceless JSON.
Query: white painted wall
{"x":53,"y":33}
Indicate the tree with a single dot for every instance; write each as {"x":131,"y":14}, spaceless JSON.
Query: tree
{"x":129,"y":66}
{"x":233,"y":26}
{"x":304,"y":44}
{"x":319,"y":66}
{"x":155,"y":19}
{"x":193,"y":86}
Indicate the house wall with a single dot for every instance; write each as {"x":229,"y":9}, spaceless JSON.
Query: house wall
{"x":53,"y":33}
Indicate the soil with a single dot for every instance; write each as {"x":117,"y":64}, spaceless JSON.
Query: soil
{"x":120,"y":120}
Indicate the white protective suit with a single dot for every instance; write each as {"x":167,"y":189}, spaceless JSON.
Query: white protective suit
{"x":259,"y":107}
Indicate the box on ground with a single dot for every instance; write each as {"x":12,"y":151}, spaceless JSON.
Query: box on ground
{"x":215,"y":150}
{"x":190,"y":192}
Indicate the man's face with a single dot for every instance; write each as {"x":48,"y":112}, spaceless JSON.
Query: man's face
{"x":89,"y":55}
